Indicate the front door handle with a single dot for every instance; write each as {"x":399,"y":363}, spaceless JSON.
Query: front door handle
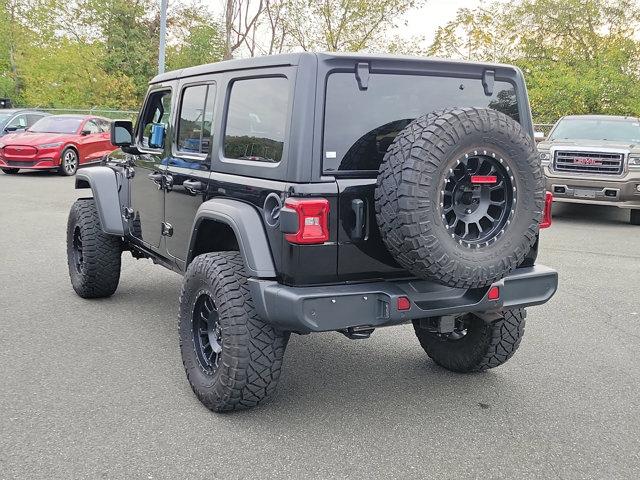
{"x":193,"y":185}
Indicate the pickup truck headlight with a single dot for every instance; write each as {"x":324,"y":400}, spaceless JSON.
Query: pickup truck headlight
{"x":545,"y":158}
{"x":634,"y":162}
{"x":50,"y":145}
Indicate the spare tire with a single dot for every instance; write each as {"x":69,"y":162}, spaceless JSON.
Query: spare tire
{"x":459,"y":196}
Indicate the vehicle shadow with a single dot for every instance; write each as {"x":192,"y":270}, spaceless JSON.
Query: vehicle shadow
{"x":579,"y":213}
{"x":36,"y":173}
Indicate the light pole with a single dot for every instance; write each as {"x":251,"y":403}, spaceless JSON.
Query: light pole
{"x":163,"y":34}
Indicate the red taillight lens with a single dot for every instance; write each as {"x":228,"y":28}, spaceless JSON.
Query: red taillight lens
{"x":313,"y":220}
{"x":494,"y":293}
{"x":404,"y":303}
{"x":546,"y":214}
{"x":487,"y":179}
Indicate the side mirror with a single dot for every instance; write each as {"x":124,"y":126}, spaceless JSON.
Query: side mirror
{"x":156,"y":139}
{"x":13,"y":128}
{"x":122,"y":133}
{"x":539,"y":136}
{"x":84,"y":133}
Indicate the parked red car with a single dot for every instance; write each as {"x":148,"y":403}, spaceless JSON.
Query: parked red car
{"x":56,"y":142}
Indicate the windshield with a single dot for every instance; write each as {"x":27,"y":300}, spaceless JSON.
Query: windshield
{"x":57,"y":125}
{"x":4,"y":116}
{"x":360,"y":125}
{"x":597,"y":129}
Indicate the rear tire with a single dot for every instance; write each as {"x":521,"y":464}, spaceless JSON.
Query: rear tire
{"x":232,"y":358}
{"x":69,"y":162}
{"x":634,"y":217}
{"x":482,"y":346}
{"x":93,"y":256}
{"x":10,"y":171}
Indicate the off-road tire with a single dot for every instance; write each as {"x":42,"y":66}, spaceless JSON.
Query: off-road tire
{"x":99,"y":272}
{"x":10,"y":171}
{"x":410,"y":187}
{"x":252,"y":350}
{"x":65,"y":168}
{"x":486,"y":345}
{"x":634,"y":217}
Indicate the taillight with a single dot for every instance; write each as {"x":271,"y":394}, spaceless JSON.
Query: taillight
{"x":313,"y":220}
{"x":546,"y":214}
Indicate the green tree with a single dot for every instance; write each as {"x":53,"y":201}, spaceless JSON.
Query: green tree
{"x":201,"y":40}
{"x":579,"y":56}
{"x":344,"y":25}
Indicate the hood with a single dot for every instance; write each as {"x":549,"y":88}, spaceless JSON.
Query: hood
{"x":34,"y":139}
{"x":590,"y":144}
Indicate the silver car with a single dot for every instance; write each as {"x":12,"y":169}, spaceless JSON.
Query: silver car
{"x":594,"y":159}
{"x":18,"y":119}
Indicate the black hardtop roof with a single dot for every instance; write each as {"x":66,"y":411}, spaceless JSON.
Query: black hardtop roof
{"x":291,"y":59}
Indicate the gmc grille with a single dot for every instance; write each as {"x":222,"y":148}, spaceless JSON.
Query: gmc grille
{"x":599,"y":163}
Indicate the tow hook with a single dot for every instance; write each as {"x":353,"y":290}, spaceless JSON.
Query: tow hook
{"x":357,"y":333}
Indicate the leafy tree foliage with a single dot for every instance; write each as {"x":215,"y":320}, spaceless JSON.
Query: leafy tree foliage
{"x":86,"y":53}
{"x":579,"y":56}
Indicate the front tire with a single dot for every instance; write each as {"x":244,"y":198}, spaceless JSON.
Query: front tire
{"x":232,"y":358}
{"x":475,"y":345}
{"x":69,"y":162}
{"x":93,"y":256}
{"x":634,"y":217}
{"x":10,"y":171}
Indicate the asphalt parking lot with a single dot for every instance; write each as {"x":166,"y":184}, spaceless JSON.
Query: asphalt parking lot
{"x":96,"y":389}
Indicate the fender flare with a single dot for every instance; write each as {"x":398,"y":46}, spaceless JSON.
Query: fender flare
{"x":247,"y":225}
{"x":104,"y":185}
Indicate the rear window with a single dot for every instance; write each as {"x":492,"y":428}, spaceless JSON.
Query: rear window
{"x":360,"y":125}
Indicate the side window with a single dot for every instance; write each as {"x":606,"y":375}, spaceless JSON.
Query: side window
{"x":195,"y":119}
{"x":91,"y":126}
{"x":257,"y":119}
{"x":104,"y":125}
{"x":156,"y":114}
{"x":19,"y":122}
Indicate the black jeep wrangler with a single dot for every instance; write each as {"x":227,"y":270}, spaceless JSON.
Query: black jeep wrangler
{"x":320,"y":192}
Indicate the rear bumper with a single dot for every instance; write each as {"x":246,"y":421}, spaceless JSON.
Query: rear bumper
{"x":336,"y":307}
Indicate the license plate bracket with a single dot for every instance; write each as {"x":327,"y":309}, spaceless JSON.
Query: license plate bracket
{"x":582,"y":193}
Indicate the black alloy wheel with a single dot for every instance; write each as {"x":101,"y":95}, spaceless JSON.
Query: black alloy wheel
{"x":78,"y":257}
{"x":207,"y":334}
{"x":478,"y":199}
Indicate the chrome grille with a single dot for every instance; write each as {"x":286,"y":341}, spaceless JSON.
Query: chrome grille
{"x":600,"y":163}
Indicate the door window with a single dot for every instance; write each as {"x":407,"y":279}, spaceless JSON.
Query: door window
{"x":195,"y":119}
{"x":257,"y":119}
{"x":156,"y":119}
{"x":91,"y":127}
{"x":104,"y":125}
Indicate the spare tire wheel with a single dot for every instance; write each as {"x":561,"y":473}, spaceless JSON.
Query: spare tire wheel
{"x":459,"y":196}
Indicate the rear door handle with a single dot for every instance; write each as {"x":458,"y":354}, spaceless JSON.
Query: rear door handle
{"x":193,"y":185}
